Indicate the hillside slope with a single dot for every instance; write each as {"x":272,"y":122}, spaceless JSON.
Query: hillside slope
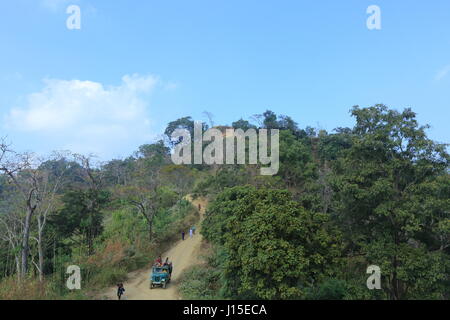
{"x":183,"y":254}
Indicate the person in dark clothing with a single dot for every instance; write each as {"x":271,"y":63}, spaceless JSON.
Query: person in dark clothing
{"x":120,"y":290}
{"x":182,"y":235}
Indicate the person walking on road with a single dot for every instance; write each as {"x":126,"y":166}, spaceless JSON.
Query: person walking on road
{"x":120,"y":290}
{"x":191,"y":233}
{"x":193,"y":229}
{"x":182,"y":235}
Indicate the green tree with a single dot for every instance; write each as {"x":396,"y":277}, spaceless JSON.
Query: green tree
{"x":80,"y":217}
{"x":391,"y":188}
{"x":243,"y":124}
{"x":183,"y":123}
{"x":275,"y":247}
{"x":296,"y":161}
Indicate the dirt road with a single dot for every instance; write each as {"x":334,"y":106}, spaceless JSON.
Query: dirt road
{"x":183,"y":255}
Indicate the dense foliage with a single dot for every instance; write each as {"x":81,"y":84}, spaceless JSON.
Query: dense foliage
{"x":374,"y":194}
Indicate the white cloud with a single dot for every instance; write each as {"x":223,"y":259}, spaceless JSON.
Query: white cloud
{"x":441,"y":74}
{"x":86,"y":116}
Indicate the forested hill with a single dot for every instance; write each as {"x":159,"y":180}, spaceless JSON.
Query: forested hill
{"x":375,"y":194}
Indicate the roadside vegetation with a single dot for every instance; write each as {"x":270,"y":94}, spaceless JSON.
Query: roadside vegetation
{"x":374,"y":194}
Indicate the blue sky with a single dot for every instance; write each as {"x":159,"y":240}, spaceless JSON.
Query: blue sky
{"x":136,"y":65}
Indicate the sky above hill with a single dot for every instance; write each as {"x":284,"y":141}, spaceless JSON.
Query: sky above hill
{"x":133,"y":66}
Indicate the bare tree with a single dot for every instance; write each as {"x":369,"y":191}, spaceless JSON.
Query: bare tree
{"x":89,"y":174}
{"x":144,"y":200}
{"x":142,"y":192}
{"x":14,"y":165}
{"x":48,"y":187}
{"x":11,"y":232}
{"x":258,"y":118}
{"x":35,"y":194}
{"x":210,"y":117}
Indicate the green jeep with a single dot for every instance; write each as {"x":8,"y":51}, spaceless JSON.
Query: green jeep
{"x":160,"y":276}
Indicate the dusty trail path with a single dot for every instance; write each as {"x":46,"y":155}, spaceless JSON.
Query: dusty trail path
{"x":183,"y":255}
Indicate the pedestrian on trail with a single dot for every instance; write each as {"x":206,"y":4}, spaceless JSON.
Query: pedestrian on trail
{"x":120,"y":290}
{"x":193,"y":229}
{"x":190,"y":232}
{"x":182,"y":235}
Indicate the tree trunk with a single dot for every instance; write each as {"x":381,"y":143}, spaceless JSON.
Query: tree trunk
{"x":150,"y":231}
{"x":41,"y":258}
{"x":19,"y":271}
{"x":25,"y":242}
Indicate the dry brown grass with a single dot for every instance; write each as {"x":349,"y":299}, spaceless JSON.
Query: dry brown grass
{"x":29,"y":289}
